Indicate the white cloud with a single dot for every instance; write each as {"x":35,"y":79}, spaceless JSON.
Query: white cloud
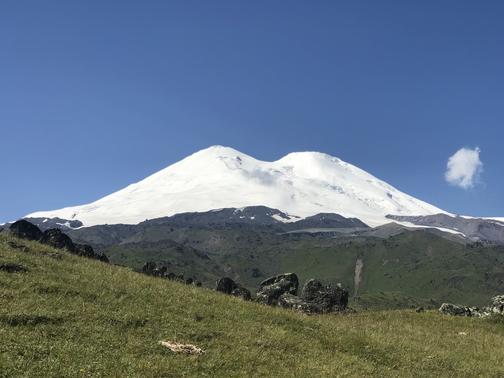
{"x":464,"y":167}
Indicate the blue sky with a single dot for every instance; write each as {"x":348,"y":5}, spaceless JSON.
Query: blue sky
{"x":95,"y":95}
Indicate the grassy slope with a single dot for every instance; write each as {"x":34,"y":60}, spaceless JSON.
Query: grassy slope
{"x":79,"y":317}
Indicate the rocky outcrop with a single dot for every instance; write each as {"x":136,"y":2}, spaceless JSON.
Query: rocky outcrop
{"x":271,"y":289}
{"x":150,"y":268}
{"x":316,"y":298}
{"x":227,"y":286}
{"x":295,"y":303}
{"x":496,"y":305}
{"x":88,"y":251}
{"x":55,"y":238}
{"x":458,"y":310}
{"x":325,"y":298}
{"x":25,"y":230}
{"x":242,"y":293}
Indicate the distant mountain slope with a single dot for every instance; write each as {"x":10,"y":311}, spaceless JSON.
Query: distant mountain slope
{"x":475,"y":229}
{"x":300,"y":184}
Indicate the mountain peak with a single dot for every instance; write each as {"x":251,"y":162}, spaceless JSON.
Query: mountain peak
{"x":300,"y":184}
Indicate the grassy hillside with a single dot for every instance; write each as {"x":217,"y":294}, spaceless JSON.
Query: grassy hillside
{"x":70,"y":316}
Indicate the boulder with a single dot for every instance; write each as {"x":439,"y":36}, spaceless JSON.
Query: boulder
{"x":457,"y":310}
{"x":242,"y":293}
{"x":295,"y":303}
{"x":25,"y":230}
{"x":88,"y":251}
{"x":57,"y":239}
{"x":272,"y":288}
{"x":325,"y":298}
{"x":149,"y":268}
{"x":496,"y":305}
{"x":12,"y":268}
{"x":225,"y":285}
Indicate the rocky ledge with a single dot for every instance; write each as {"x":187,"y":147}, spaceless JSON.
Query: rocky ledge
{"x":496,"y":307}
{"x":282,"y":291}
{"x":55,"y":238}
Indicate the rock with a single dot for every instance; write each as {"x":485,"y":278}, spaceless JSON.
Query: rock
{"x":272,"y":288}
{"x":189,"y":281}
{"x":198,"y":283}
{"x":242,"y":293}
{"x":225,"y":285}
{"x":457,"y":310}
{"x":149,"y":268}
{"x":12,"y":268}
{"x":295,"y":303}
{"x":88,"y":251}
{"x":324,"y":298}
{"x":496,"y":305}
{"x":21,"y":247}
{"x":57,"y":239}
{"x":25,"y":230}
{"x":420,"y":309}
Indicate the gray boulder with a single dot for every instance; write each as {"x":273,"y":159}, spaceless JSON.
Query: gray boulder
{"x":295,"y":303}
{"x":457,"y":310}
{"x":271,"y":289}
{"x":324,"y":298}
{"x":496,"y":305}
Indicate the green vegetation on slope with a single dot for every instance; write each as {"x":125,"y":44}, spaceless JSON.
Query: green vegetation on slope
{"x":70,"y":316}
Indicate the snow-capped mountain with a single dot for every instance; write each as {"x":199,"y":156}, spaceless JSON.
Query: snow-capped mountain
{"x":300,"y":184}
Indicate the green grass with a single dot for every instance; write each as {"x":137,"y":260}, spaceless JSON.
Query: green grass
{"x":70,"y":316}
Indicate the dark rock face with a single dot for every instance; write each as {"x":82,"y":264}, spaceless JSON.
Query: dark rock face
{"x":315,"y":298}
{"x":57,"y":239}
{"x":25,"y":230}
{"x":227,"y":286}
{"x":149,"y":268}
{"x":324,"y":298}
{"x":12,"y":268}
{"x":457,"y":310}
{"x":88,"y":251}
{"x":54,"y":238}
{"x":272,"y":288}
